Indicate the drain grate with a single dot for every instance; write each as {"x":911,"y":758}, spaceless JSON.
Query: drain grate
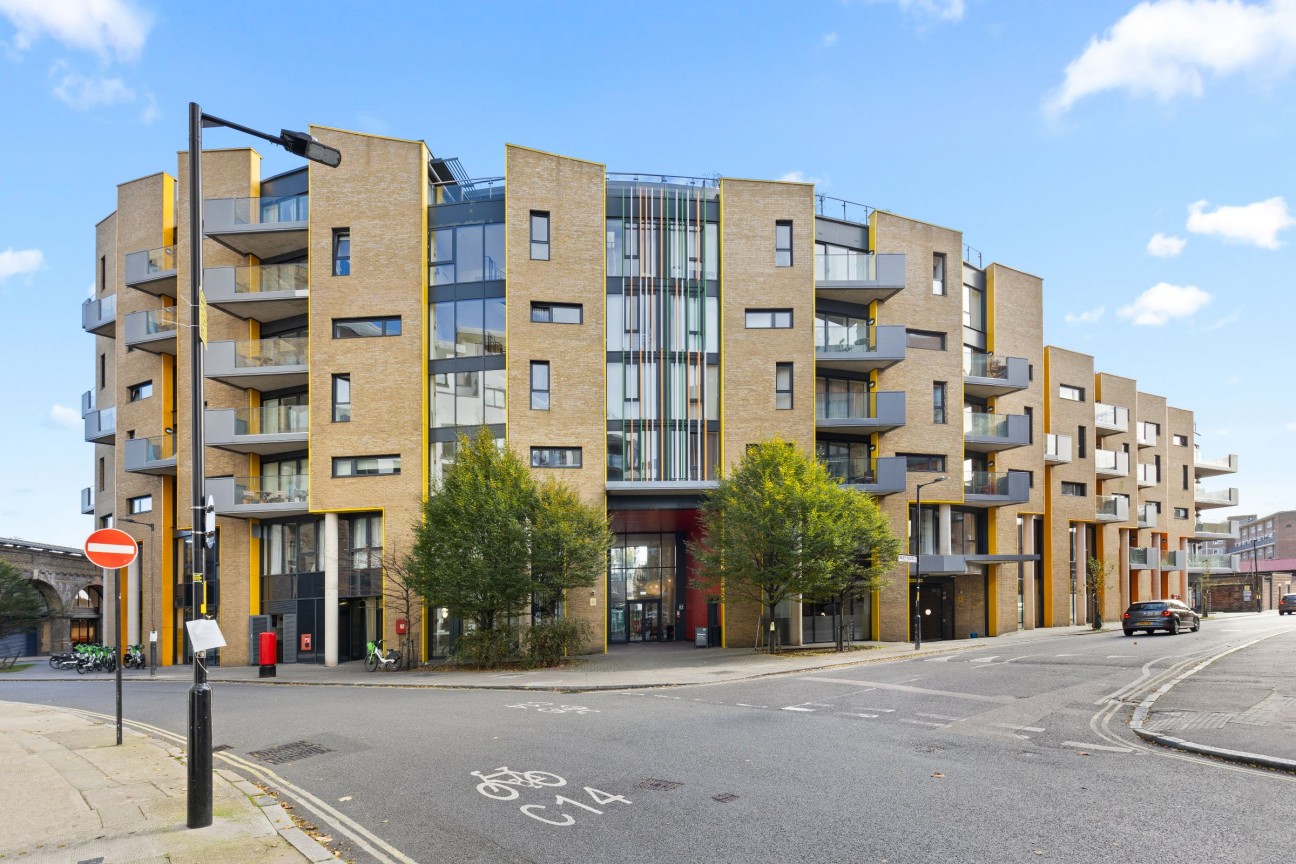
{"x":289,"y":752}
{"x":725,"y":798}
{"x":659,"y":785}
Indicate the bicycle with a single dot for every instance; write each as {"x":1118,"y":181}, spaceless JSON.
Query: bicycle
{"x":503,"y":784}
{"x":375,"y":656}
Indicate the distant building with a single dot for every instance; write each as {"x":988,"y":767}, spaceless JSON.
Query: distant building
{"x":72,"y":588}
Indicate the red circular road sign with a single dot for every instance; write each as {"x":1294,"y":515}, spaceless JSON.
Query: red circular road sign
{"x":110,"y":548}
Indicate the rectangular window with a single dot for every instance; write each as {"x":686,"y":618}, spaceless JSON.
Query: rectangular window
{"x":938,"y":273}
{"x":539,"y":385}
{"x":974,"y":308}
{"x":1074,"y":394}
{"x":103,"y":475}
{"x":1179,"y":440}
{"x":106,"y":521}
{"x":142,"y":390}
{"x":103,"y":273}
{"x":1181,"y":512}
{"x":1081,"y":442}
{"x":1185,"y":477}
{"x":765,"y":319}
{"x":923,"y":462}
{"x":342,"y":398}
{"x":1030,"y":424}
{"x":783,"y":243}
{"x":557,"y":313}
{"x":361,"y":328}
{"x":142,"y":504}
{"x":555,"y":457}
{"x":103,"y":371}
{"x":1075,"y":490}
{"x":925,"y":339}
{"x":783,"y":386}
{"x":938,"y":402}
{"x":365,"y":466}
{"x":539,"y":235}
{"x":341,"y":251}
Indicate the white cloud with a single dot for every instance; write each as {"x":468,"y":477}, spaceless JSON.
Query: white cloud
{"x":829,"y":39}
{"x":1163,"y":246}
{"x":18,"y":263}
{"x":1290,"y":427}
{"x":69,"y":418}
{"x":84,"y":93}
{"x":797,"y":177}
{"x":1165,"y":48}
{"x":1163,"y":301}
{"x":103,"y":27}
{"x":1092,"y":316}
{"x":1257,"y":224}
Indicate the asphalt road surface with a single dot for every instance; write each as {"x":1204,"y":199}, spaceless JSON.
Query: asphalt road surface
{"x":989,"y":755}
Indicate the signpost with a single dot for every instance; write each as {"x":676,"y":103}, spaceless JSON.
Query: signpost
{"x":112,"y":550}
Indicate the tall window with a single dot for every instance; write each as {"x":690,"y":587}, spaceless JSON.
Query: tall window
{"x":783,"y":385}
{"x":1185,"y":476}
{"x":938,"y":273}
{"x":103,"y":475}
{"x":540,"y":385}
{"x":341,"y":251}
{"x":973,"y":308}
{"x":1030,"y":424}
{"x":783,"y":243}
{"x":365,"y":542}
{"x":1081,"y":445}
{"x":342,"y":398}
{"x":539,"y":235}
{"x":103,"y":371}
{"x":938,"y":402}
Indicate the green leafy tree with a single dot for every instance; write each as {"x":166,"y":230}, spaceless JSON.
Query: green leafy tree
{"x":569,"y":547}
{"x":1097,"y":574}
{"x":21,"y":605}
{"x":1204,"y":586}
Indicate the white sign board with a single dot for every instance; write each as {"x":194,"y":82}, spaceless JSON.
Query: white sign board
{"x":907,"y":559}
{"x":205,"y":634}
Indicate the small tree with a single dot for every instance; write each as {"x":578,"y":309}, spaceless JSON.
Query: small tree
{"x":569,"y":547}
{"x":1204,"y":586}
{"x":1096,"y":575}
{"x":403,"y":597}
{"x":21,"y":605}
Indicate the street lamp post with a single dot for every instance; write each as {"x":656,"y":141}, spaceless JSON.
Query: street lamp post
{"x":199,"y":760}
{"x":917,"y":612}
{"x":1255,"y":574}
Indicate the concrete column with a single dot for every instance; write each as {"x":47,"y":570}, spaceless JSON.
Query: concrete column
{"x":796,"y":636}
{"x":1082,"y":591}
{"x":330,"y":589}
{"x":946,"y":542}
{"x":1030,"y":572}
{"x":132,"y":604}
{"x":1122,"y":568}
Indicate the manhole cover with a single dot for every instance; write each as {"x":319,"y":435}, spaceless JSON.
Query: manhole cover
{"x":659,"y":785}
{"x":725,"y":798}
{"x":289,"y":752}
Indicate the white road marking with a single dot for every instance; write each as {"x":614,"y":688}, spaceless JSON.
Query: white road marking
{"x":924,"y":723}
{"x":1066,"y":655}
{"x":851,"y":714}
{"x":1107,"y":747}
{"x":989,"y":659}
{"x":882,"y":710}
{"x":798,"y":708}
{"x":1020,"y":728}
{"x":936,"y":660}
{"x":1118,"y":656}
{"x":941,"y":717}
{"x":976,"y":697}
{"x":745,"y":705}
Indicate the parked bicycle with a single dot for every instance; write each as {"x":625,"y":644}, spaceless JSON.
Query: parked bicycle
{"x":135,"y":657}
{"x":376,"y":657}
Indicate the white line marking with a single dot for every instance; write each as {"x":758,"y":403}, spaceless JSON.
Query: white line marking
{"x":976,"y":697}
{"x":989,"y":659}
{"x":798,"y":708}
{"x":941,"y":717}
{"x":745,"y":705}
{"x":1020,"y":728}
{"x":1066,"y":655}
{"x":907,"y":680}
{"x":883,"y":710}
{"x":849,"y":714}
{"x":1118,"y":656}
{"x":936,"y":660}
{"x":924,"y":723}
{"x":1107,"y":747}
{"x":110,"y":547}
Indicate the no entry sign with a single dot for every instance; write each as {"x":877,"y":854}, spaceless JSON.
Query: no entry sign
{"x":110,"y":548}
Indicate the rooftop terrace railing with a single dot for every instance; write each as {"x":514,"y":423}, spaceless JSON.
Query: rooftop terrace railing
{"x":712,"y":182}
{"x":838,"y":208}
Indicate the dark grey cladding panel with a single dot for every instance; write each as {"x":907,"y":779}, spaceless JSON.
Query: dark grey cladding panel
{"x":623,"y":208}
{"x":466,"y":213}
{"x":852,"y":235}
{"x":294,"y":182}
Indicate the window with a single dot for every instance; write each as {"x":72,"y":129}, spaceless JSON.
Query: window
{"x":342,"y":398}
{"x":1181,"y":512}
{"x":1185,"y":476}
{"x":341,"y":251}
{"x":1081,"y":443}
{"x":938,"y":402}
{"x":938,"y":274}
{"x":103,"y":371}
{"x":1030,"y":424}
{"x":555,"y":457}
{"x":974,"y":308}
{"x":783,"y":243}
{"x":363,"y":542}
{"x":360,"y":328}
{"x":365,"y":466}
{"x":539,"y":235}
{"x":925,"y":339}
{"x":103,"y":477}
{"x":142,"y":390}
{"x":557,"y":313}
{"x":142,"y":504}
{"x":923,"y":462}
{"x":539,"y":385}
{"x":782,"y":386}
{"x":103,"y":273}
{"x":1179,"y":440}
{"x":1075,"y":394}
{"x":764,"y":319}
{"x":106,"y":521}
{"x":1075,"y":490}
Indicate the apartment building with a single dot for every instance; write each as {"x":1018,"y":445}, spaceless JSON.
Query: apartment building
{"x":632,"y":334}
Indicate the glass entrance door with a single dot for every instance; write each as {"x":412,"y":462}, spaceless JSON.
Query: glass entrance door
{"x":643,"y":621}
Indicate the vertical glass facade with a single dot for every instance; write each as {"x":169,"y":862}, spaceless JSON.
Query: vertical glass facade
{"x":642,"y":592}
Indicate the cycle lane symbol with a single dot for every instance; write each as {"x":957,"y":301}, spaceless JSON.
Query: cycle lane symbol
{"x":504,"y":784}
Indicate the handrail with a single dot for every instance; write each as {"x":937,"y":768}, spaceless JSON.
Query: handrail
{"x":846,"y":207}
{"x":712,"y":181}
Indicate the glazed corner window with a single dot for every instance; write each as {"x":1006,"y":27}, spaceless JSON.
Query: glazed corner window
{"x":341,"y":251}
{"x":341,"y":398}
{"x":783,"y":386}
{"x":1075,"y":490}
{"x":555,"y":457}
{"x":539,"y":235}
{"x":1075,"y":394}
{"x":365,"y":466}
{"x":783,"y":243}
{"x":540,"y":385}
{"x":557,"y":313}
{"x":925,"y":339}
{"x":142,"y":504}
{"x":765,"y":319}
{"x":938,"y":273}
{"x":142,"y":390}
{"x":360,"y":328}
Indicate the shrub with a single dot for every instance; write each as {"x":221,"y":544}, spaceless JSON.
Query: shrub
{"x":488,"y":648}
{"x":549,"y":642}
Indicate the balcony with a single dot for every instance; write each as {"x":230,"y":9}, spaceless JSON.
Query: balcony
{"x":1110,"y":419}
{"x":258,"y":364}
{"x":1111,"y":463}
{"x":1057,"y":449}
{"x":270,"y":292}
{"x":1147,"y":475}
{"x":883,"y":476}
{"x":1146,"y":434}
{"x":87,"y":501}
{"x":259,"y":497}
{"x":1214,"y":467}
{"x":1144,"y":558}
{"x":988,"y":375}
{"x":860,"y":414}
{"x":1215,"y":530}
{"x":1199,"y":562}
{"x":858,"y":349}
{"x":1172,"y":560}
{"x":153,"y":271}
{"x":1215,"y":498}
{"x":101,"y":426}
{"x":87,"y":402}
{"x":153,"y":331}
{"x":100,"y":316}
{"x":988,"y":433}
{"x":266,"y":430}
{"x":1112,"y":508}
{"x":858,"y":277}
{"x":1146,"y":516}
{"x":996,"y":487}
{"x":156,"y":455}
{"x":265,"y":227}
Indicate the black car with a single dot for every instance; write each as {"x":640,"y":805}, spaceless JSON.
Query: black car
{"x":1152,"y":615}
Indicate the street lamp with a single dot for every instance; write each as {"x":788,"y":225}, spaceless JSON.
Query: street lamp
{"x":1255,"y":573}
{"x":917,"y":615}
{"x":200,"y":744}
{"x":153,"y":628}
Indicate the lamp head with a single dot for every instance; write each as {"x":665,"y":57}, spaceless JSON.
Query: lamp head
{"x":301,"y":144}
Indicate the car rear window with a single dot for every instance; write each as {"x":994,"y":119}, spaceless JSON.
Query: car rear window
{"x":1289,"y":598}
{"x":1147,"y":607}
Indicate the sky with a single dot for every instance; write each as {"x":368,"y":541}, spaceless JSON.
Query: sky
{"x":1138,"y":157}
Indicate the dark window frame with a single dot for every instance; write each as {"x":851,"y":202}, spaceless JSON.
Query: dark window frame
{"x":915,"y":462}
{"x":933,"y":335}
{"x":788,"y":392}
{"x":1074,"y":489}
{"x":355,"y":460}
{"x":783,"y":254}
{"x":545,"y":402}
{"x":773,"y":318}
{"x":133,"y":505}
{"x":341,"y":244}
{"x":1064,"y":391}
{"x":543,"y":312}
{"x":338,"y":415}
{"x":389,"y":325}
{"x":540,"y":248}
{"x":133,"y":390}
{"x":940,"y":402}
{"x":539,"y":460}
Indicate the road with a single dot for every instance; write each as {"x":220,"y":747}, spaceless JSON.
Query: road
{"x":988,"y":755}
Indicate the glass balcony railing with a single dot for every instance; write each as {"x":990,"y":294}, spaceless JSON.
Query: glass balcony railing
{"x":272,"y":420}
{"x":985,"y":425}
{"x":1148,"y":474}
{"x":852,"y":470}
{"x":1113,"y":507}
{"x":1171,"y":561}
{"x":160,"y":260}
{"x":836,"y":337}
{"x":1111,"y":461}
{"x":278,"y":489}
{"x":160,"y":321}
{"x":1202,"y":527}
{"x":276,"y":351}
{"x":103,"y":421}
{"x":1111,"y":416}
{"x":1146,"y":434}
{"x":159,"y":448}
{"x":985,"y":483}
{"x":271,"y":210}
{"x":985,"y":366}
{"x":294,"y":276}
{"x":1209,"y":561}
{"x":1147,"y":515}
{"x":1140,"y":556}
{"x":1057,"y":447}
{"x":844,"y":406}
{"x":845,"y":266}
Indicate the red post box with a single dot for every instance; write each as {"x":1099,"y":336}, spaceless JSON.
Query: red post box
{"x":269,"y":650}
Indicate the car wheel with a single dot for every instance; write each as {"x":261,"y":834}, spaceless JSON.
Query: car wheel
{"x":1173,"y":630}
{"x":1129,"y":632}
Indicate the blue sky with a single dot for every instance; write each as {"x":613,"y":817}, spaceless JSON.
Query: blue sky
{"x":1138,"y":157}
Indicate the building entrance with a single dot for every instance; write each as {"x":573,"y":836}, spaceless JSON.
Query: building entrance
{"x":936,"y":610}
{"x":644,"y":621}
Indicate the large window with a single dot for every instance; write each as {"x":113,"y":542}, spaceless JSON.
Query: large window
{"x":555,"y":457}
{"x":341,"y":251}
{"x":341,"y":398}
{"x":468,"y":328}
{"x":1074,"y":394}
{"x":292,"y":547}
{"x":925,"y":339}
{"x":467,"y":253}
{"x":468,"y":398}
{"x":1075,"y":490}
{"x":365,"y":466}
{"x":359,"y":328}
{"x":540,"y":385}
{"x":632,"y":251}
{"x":539,"y":235}
{"x":925,"y":462}
{"x":764,"y":319}
{"x":783,"y":243}
{"x":783,"y":386}
{"x":363,"y":545}
{"x":557,"y":313}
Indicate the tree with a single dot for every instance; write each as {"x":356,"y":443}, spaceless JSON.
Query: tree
{"x":400,"y":592}
{"x":569,"y":547}
{"x":1096,"y":575}
{"x":1204,"y":586}
{"x":21,"y":605}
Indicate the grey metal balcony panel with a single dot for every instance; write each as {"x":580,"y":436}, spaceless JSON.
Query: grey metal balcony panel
{"x":1119,"y":514}
{"x":889,"y":278}
{"x":101,"y":426}
{"x":138,"y":458}
{"x":1144,"y":558}
{"x":219,"y":284}
{"x":138,"y":335}
{"x":262,"y":239}
{"x":1216,"y":467}
{"x":1146,"y":517}
{"x":1206,"y":499}
{"x":87,"y":501}
{"x":1001,"y":559}
{"x":1172,"y":560}
{"x":160,"y":283}
{"x":888,"y":349}
{"x":660,"y":487}
{"x":1215,"y":530}
{"x":940,"y":565}
{"x":1018,"y":492}
{"x":87,"y":402}
{"x":890,"y":477}
{"x":1017,"y":378}
{"x":1111,"y":463}
{"x":100,"y":316}
{"x":230,"y":500}
{"x":222,"y":431}
{"x":889,"y":409}
{"x":219,"y":363}
{"x":1110,"y":419}
{"x":1017,"y":434}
